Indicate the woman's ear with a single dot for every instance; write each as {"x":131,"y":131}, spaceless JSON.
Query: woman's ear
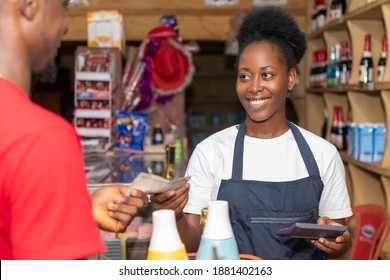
{"x":29,"y":8}
{"x":292,"y":75}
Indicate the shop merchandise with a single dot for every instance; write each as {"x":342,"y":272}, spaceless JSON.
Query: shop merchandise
{"x":165,"y":243}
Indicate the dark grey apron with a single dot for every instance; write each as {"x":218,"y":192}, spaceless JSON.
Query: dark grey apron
{"x":259,"y":209}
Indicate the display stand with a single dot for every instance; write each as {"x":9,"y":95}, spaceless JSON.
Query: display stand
{"x":97,"y":71}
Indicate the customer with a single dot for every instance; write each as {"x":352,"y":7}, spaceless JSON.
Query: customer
{"x":45,"y":208}
{"x":272,"y":172}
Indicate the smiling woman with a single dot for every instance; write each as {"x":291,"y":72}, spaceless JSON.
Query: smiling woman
{"x":272,"y":172}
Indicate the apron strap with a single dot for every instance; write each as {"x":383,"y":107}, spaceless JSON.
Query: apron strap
{"x":304,"y":149}
{"x":307,"y":155}
{"x":238,"y":153}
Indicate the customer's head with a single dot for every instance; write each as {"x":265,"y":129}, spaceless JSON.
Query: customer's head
{"x":33,"y":29}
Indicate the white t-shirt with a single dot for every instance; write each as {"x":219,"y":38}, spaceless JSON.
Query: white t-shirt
{"x":274,"y":160}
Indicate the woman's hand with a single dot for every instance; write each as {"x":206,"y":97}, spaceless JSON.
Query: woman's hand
{"x":172,"y":199}
{"x":333,"y":249}
{"x":112,"y":210}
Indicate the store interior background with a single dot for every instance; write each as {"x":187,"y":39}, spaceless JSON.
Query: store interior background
{"x":210,"y":26}
{"x":213,"y":86}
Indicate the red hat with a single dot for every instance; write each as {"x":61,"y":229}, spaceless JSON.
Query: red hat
{"x":172,"y":63}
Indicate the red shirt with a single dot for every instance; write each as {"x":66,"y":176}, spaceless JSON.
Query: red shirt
{"x":45,"y":208}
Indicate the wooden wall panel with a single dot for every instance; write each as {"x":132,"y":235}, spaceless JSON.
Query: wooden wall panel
{"x":196,"y":20}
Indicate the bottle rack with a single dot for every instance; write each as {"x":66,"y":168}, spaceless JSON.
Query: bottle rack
{"x":93,"y":99}
{"x":367,"y":182}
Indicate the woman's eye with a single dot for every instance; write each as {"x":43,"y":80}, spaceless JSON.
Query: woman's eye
{"x":243,"y":77}
{"x":267,"y":75}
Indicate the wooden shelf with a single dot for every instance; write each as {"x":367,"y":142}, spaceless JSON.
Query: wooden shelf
{"x":374,"y":88}
{"x":374,"y":167}
{"x":366,"y":182}
{"x":368,"y":11}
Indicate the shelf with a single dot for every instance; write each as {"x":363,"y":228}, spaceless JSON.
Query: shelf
{"x":94,"y":114}
{"x":374,"y":167}
{"x":368,"y":11}
{"x":93,"y":76}
{"x":93,"y":94}
{"x":375,"y":87}
{"x":94,"y":132}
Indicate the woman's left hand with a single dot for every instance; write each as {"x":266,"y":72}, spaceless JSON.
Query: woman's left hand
{"x":112,"y":210}
{"x":333,"y":249}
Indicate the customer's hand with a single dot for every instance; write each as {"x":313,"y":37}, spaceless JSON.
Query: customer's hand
{"x":112,"y":210}
{"x":172,"y":199}
{"x":333,"y":249}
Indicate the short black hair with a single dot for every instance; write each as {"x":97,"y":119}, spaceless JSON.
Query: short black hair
{"x":274,"y":25}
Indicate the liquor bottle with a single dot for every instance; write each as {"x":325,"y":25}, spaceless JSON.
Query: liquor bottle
{"x":330,"y":71}
{"x":336,"y":64}
{"x":322,"y":68}
{"x":349,"y":62}
{"x":344,"y":64}
{"x":321,"y":14}
{"x":170,"y":161}
{"x":334,"y":128}
{"x":382,"y":60}
{"x":337,"y":9}
{"x":157,"y":135}
{"x":366,"y":64}
{"x":341,"y":139}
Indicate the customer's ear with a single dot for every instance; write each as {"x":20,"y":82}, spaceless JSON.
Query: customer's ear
{"x":29,"y":8}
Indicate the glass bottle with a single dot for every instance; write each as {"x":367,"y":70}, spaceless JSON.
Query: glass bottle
{"x":334,"y":128}
{"x":341,"y":139}
{"x":321,"y":14}
{"x":344,"y":64}
{"x":382,"y":60}
{"x":366,"y":64}
{"x":337,"y":9}
{"x":336,"y":64}
{"x":157,"y":135}
{"x":330,"y":71}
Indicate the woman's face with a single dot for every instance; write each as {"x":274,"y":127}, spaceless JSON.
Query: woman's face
{"x":263,"y":81}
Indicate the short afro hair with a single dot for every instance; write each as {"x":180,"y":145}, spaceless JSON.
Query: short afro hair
{"x":276,"y":26}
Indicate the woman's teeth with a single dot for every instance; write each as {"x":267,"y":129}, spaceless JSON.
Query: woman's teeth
{"x":257,"y":101}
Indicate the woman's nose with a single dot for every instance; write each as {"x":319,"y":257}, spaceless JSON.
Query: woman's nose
{"x":256,"y":86}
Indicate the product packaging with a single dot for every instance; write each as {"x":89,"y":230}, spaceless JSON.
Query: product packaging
{"x":366,"y":138}
{"x":379,"y":142}
{"x":105,"y":29}
{"x":131,"y":129}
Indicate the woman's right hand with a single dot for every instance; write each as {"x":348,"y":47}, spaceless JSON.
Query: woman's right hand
{"x":172,"y":199}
